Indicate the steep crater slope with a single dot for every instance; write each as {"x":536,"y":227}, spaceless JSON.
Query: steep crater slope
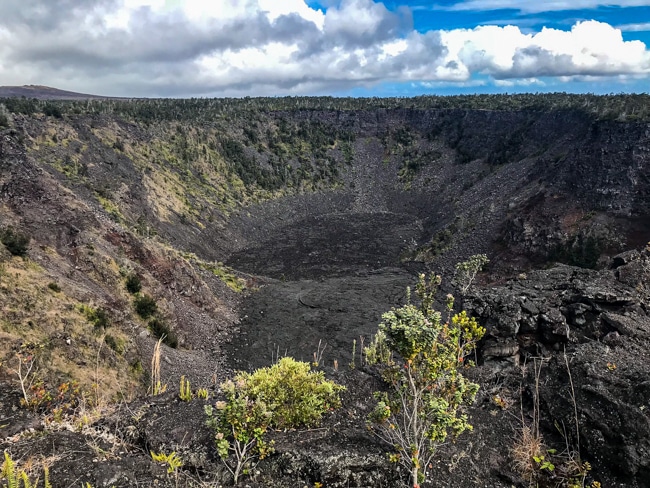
{"x":428,"y":189}
{"x":291,"y":195}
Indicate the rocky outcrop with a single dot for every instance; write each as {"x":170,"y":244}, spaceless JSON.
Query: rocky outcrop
{"x":591,"y":331}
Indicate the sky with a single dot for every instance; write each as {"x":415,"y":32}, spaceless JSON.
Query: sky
{"x":235,"y":48}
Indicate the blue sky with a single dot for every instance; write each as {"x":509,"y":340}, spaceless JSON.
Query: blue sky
{"x":633,"y":21}
{"x":200,"y":48}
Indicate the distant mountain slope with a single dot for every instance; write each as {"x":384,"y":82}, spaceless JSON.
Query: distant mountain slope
{"x":45,"y":93}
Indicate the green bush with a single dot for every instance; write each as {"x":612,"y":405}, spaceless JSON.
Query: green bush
{"x":285,"y":395}
{"x":97,"y":316}
{"x":16,"y":242}
{"x":52,"y":110}
{"x":296,"y":395}
{"x":54,"y":287}
{"x":116,"y":345}
{"x":240,"y":424}
{"x":133,"y":284}
{"x":145,"y":306}
{"x":5,"y":116}
{"x":160,"y":329}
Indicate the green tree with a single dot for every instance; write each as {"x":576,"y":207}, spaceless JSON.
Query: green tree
{"x":5,"y":116}
{"x":145,"y":306}
{"x":16,"y":242}
{"x":427,"y":389}
{"x":133,"y":284}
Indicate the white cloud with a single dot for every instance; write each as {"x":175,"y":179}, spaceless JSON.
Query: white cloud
{"x":589,"y":48}
{"x":268,"y":47}
{"x":536,"y":6}
{"x":519,"y":82}
{"x":642,"y":27}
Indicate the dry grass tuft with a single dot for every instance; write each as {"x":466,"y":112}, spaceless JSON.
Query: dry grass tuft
{"x":528,"y":446}
{"x":156,"y":384}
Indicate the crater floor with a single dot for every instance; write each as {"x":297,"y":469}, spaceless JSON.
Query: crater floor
{"x":330,"y":278}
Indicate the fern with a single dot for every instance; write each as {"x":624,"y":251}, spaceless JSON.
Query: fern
{"x":26,"y":481}
{"x":9,"y":472}
{"x":172,"y":460}
{"x":14,"y":476}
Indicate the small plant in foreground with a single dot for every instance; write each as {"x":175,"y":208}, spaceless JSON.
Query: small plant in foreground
{"x":285,"y":395}
{"x":540,"y":466}
{"x":426,"y":387}
{"x":185,"y":390}
{"x":14,"y":476}
{"x":172,"y":460}
{"x":240,"y":424}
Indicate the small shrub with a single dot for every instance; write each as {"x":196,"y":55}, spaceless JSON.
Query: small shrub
{"x":54,"y":287}
{"x":115,"y":344}
{"x":467,"y":270}
{"x":97,"y":316}
{"x":582,"y":251}
{"x":161,"y":330}
{"x":427,"y":390}
{"x":100,"y":319}
{"x":240,"y":424}
{"x":285,"y":395}
{"x":145,"y":306}
{"x":133,"y":284}
{"x":5,"y":116}
{"x":52,"y":110}
{"x":299,"y":396}
{"x":16,"y":242}
{"x":136,"y":368}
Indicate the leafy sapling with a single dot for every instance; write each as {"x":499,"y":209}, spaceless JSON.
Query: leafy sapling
{"x":427,"y":390}
{"x":467,"y":270}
